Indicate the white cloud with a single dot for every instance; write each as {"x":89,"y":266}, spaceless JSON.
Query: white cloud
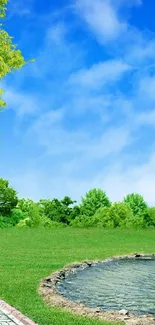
{"x":147,"y":88}
{"x":100,"y":74}
{"x":138,"y":179}
{"x":145,"y":118}
{"x":129,"y":3}
{"x":115,"y":180}
{"x":50,"y":132}
{"x":21,"y":103}
{"x":141,"y":51}
{"x":102,"y":18}
{"x":20,"y":7}
{"x":56,"y":34}
{"x":83,"y":129}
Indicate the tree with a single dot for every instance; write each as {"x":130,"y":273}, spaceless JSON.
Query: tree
{"x":32,"y":213}
{"x":121,"y":214}
{"x":136,"y":203}
{"x":93,"y":200}
{"x":103,"y":218}
{"x":11,"y":58}
{"x":8,"y":198}
{"x":59,"y":210}
{"x":118,"y":215}
{"x":149,"y":217}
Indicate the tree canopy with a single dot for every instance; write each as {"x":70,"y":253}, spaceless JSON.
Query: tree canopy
{"x":8,"y":198}
{"x":93,"y":200}
{"x":11,"y":58}
{"x":136,"y":203}
{"x":94,"y":210}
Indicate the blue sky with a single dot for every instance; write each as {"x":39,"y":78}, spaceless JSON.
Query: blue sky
{"x":83,"y":115}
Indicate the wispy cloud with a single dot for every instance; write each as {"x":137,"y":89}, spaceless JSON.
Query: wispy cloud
{"x":89,"y":106}
{"x":20,"y":7}
{"x":21,"y":103}
{"x":102,"y":18}
{"x":100,"y":74}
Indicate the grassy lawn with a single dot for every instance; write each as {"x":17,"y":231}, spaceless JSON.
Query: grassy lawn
{"x":26,"y":256}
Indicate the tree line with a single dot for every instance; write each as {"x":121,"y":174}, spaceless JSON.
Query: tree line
{"x":94,"y":210}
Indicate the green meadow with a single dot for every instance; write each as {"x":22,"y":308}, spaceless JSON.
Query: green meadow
{"x":28,"y":255}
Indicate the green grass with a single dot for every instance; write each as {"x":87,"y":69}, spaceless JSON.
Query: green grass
{"x":27,"y":256}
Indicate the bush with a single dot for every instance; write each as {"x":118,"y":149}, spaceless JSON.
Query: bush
{"x":4,"y":222}
{"x":32,"y":214}
{"x":24,"y":223}
{"x":82,"y":222}
{"x":149,"y":217}
{"x":121,"y":214}
{"x":137,"y":222}
{"x":54,"y":224}
{"x":15,"y":216}
{"x":103,"y":218}
{"x":45,"y":222}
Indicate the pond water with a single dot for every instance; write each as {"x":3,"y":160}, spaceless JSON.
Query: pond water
{"x":115,"y":285}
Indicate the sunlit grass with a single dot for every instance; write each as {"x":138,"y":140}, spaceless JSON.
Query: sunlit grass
{"x":27,"y":256}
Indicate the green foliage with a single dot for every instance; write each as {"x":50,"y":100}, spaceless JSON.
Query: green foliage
{"x":54,"y":224}
{"x":4,"y":222}
{"x":31,"y":212}
{"x":24,"y":223}
{"x":25,"y":205}
{"x":11,"y":58}
{"x":34,"y":215}
{"x":93,"y":200}
{"x":136,"y":203}
{"x":121,"y":214}
{"x":15,"y":216}
{"x":95,"y":210}
{"x":148,"y":217}
{"x":3,"y":7}
{"x":118,"y":215}
{"x":74,"y":213}
{"x":8,"y":198}
{"x":59,"y":210}
{"x":82,"y":222}
{"x":43,"y":222}
{"x":103,"y":218}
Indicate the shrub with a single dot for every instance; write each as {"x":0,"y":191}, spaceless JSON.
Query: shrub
{"x":45,"y":222}
{"x":54,"y":224}
{"x":32,"y":214}
{"x":15,"y":216}
{"x":24,"y":223}
{"x":103,"y":218}
{"x":82,"y":222}
{"x":4,"y":222}
{"x":121,"y":214}
{"x":149,"y":217}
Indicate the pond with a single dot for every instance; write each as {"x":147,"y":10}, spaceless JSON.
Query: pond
{"x":126,"y":283}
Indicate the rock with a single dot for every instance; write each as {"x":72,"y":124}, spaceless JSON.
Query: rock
{"x":124,"y":312}
{"x":89,"y":264}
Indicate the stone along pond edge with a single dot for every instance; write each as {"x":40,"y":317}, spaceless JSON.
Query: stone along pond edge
{"x":48,"y":291}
